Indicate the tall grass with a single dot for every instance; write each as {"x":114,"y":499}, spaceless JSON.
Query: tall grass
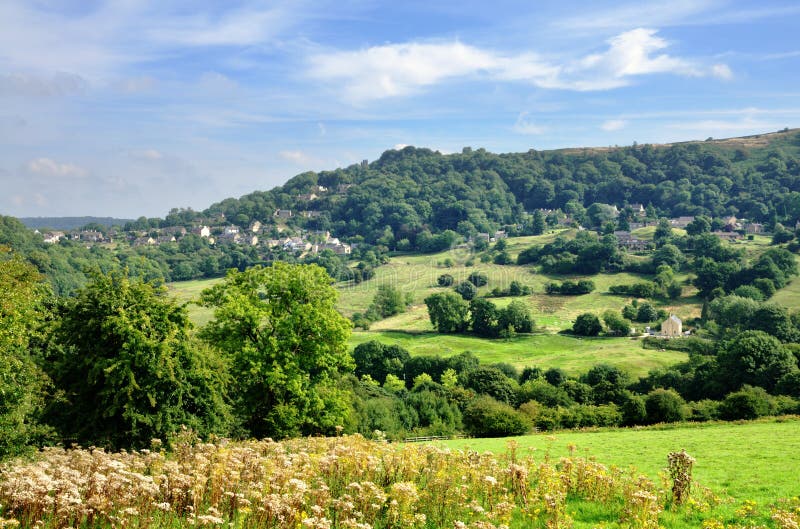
{"x":345,"y":482}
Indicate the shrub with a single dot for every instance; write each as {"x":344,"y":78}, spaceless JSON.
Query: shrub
{"x":478,"y":279}
{"x":664,"y":405}
{"x":445,"y":280}
{"x":747,"y":403}
{"x":749,"y":291}
{"x":633,"y":410}
{"x":491,"y":381}
{"x":587,"y":324}
{"x":486,"y":417}
{"x":646,"y":313}
{"x":704,"y":410}
{"x":466,"y":290}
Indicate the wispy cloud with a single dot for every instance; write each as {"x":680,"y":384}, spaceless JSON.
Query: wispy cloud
{"x":32,"y":85}
{"x":614,"y":124}
{"x":301,"y":158}
{"x":673,"y":13}
{"x":243,"y":27}
{"x":524,"y":125}
{"x":47,"y":167}
{"x":394,"y":70}
{"x":637,"y":14}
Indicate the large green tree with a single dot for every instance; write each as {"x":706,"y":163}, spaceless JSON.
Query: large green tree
{"x":448,"y":312}
{"x":128,"y":369}
{"x":287,"y":342}
{"x":755,"y":358}
{"x":21,"y":381}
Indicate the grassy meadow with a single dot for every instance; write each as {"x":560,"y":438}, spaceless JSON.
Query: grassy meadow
{"x":746,"y":461}
{"x":574,"y":355}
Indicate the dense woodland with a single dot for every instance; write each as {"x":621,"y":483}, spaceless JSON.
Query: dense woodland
{"x":95,"y":352}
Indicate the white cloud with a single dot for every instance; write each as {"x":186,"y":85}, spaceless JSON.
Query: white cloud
{"x":299,"y":157}
{"x":614,"y":124}
{"x":59,"y":84}
{"x":135,"y":85}
{"x":398,"y":69}
{"x":50,"y":168}
{"x":238,"y":28}
{"x":526,"y":126}
{"x":147,"y":154}
{"x":395,"y":70}
{"x":722,"y":71}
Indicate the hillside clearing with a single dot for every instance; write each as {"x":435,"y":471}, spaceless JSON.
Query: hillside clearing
{"x":574,"y":355}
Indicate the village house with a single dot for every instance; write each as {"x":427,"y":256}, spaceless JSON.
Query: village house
{"x":282,"y":213}
{"x":753,"y":228}
{"x":731,"y":224}
{"x":672,"y":327}
{"x":307,"y":197}
{"x":143,"y":241}
{"x":630,"y":242}
{"x":255,"y":227}
{"x":52,"y":237}
{"x":681,"y":222}
{"x":296,"y":244}
{"x":638,"y":209}
{"x":310,"y":214}
{"x":177,"y":231}
{"x":202,"y":231}
{"x":162,"y":239}
{"x":727,"y":235}
{"x":88,"y":236}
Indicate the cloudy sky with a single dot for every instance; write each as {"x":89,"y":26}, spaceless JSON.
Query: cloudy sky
{"x":132,"y":107}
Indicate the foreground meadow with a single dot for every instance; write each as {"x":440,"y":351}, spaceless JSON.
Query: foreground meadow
{"x":354,"y":483}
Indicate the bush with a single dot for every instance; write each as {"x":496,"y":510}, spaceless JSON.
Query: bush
{"x":445,"y":280}
{"x":466,"y":290}
{"x":747,"y":403}
{"x":616,"y":324}
{"x":486,"y":417}
{"x":633,"y":410}
{"x":518,"y":289}
{"x":587,"y":324}
{"x":491,"y":381}
{"x":749,"y":291}
{"x":646,"y":313}
{"x":478,"y":279}
{"x":664,"y":405}
{"x":704,"y":410}
{"x":570,"y":288}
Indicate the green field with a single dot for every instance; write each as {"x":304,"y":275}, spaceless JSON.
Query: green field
{"x":749,"y":461}
{"x":189,"y":291}
{"x":574,"y":355}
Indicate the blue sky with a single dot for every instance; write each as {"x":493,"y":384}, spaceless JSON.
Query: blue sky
{"x":132,"y":107}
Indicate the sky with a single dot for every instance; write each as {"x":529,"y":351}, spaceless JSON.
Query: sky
{"x":133,"y":107}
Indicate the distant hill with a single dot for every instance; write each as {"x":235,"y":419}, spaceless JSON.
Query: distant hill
{"x":406,"y":198}
{"x":70,"y":223}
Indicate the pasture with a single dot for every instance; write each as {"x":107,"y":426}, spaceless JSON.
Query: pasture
{"x":574,"y":355}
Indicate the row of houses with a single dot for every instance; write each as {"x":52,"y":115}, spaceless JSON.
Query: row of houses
{"x":731,"y":224}
{"x":89,"y":236}
{"x":302,"y":245}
